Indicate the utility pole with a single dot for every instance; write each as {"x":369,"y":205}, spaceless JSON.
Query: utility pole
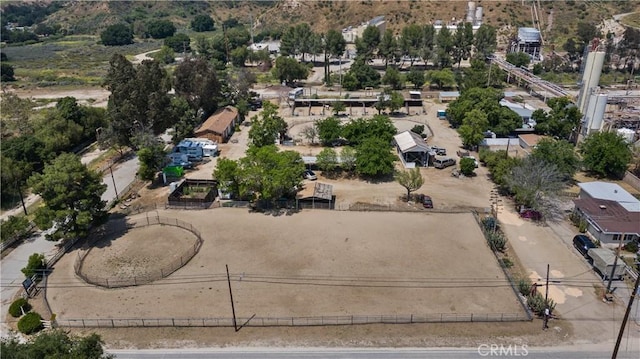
{"x":615,"y":262}
{"x":626,"y":317}
{"x":546,"y":292}
{"x":115,"y":189}
{"x":233,"y":308}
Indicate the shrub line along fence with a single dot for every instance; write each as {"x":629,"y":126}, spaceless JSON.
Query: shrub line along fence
{"x":521,"y":299}
{"x":293,"y":321}
{"x":138,"y":280}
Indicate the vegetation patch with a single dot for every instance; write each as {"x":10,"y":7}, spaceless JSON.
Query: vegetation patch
{"x":18,"y":306}
{"x":30,"y":323}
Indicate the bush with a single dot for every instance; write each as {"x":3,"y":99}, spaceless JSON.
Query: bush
{"x":14,"y":308}
{"x":524,"y":286}
{"x":489,"y":223}
{"x":34,"y":265}
{"x":30,"y":323}
{"x":497,"y":241}
{"x":506,"y":262}
{"x":419,"y":129}
{"x":116,"y":35}
{"x":631,"y":247}
{"x":14,"y":227}
{"x":537,"y":304}
{"x":467,"y":166}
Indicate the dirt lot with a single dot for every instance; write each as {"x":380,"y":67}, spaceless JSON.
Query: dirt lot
{"x":312,"y":263}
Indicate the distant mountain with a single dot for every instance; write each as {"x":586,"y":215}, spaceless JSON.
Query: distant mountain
{"x":557,"y":19}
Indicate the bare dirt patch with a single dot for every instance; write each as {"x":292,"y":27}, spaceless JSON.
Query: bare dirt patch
{"x":141,"y":252}
{"x":314,"y":263}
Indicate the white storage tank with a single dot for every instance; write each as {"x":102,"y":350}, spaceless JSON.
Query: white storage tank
{"x":591,"y":77}
{"x":478,"y":16}
{"x":595,"y":111}
{"x":471,"y":11}
{"x":627,"y":134}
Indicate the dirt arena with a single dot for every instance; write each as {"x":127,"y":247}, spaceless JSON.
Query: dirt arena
{"x":312,"y":263}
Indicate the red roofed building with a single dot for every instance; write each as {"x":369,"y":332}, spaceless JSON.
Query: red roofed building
{"x":219,"y":126}
{"x":608,"y":220}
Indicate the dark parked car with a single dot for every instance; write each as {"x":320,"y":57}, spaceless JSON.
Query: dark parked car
{"x":583,"y":244}
{"x":308,"y":174}
{"x":427,"y":202}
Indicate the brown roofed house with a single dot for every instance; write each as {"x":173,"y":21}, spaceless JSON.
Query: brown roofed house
{"x":219,"y":126}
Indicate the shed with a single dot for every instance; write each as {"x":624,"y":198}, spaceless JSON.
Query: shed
{"x":529,"y":141}
{"x":448,"y":96}
{"x":219,"y":126}
{"x":412,"y":148}
{"x":319,"y":196}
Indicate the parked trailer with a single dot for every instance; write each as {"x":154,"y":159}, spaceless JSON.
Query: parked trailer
{"x":603,"y":260}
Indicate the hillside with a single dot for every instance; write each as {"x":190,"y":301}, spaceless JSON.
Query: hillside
{"x":558,"y":18}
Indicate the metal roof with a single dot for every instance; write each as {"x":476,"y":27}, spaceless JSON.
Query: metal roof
{"x":612,"y":192}
{"x":409,"y":141}
{"x":449,"y":94}
{"x":528,"y":34}
{"x":376,"y":20}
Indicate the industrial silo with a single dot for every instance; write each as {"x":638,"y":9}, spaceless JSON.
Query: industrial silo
{"x":478,"y":21}
{"x":594,"y":114}
{"x":590,"y":77}
{"x":471,"y":11}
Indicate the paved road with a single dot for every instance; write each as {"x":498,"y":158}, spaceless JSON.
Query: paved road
{"x":381,"y":353}
{"x":10,"y":275}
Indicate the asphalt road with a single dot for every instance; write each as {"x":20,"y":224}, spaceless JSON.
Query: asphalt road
{"x":381,"y":353}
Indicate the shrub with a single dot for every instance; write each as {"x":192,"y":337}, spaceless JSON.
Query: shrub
{"x":419,"y":129}
{"x":34,"y":265}
{"x":497,"y":241}
{"x":467,"y":166}
{"x":489,"y":223}
{"x":524,"y":286}
{"x":537,"y":304}
{"x":15,"y":307}
{"x":631,"y":247}
{"x":30,"y":323}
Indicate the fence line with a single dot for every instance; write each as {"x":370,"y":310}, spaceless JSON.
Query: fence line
{"x":293,"y":321}
{"x":111,"y":282}
{"x":9,"y":242}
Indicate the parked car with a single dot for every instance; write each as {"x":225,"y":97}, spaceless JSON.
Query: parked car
{"x":308,"y":174}
{"x":531,"y":214}
{"x":427,"y":202}
{"x":583,"y":244}
{"x":441,"y":163}
{"x":462,"y":153}
{"x":440,"y":151}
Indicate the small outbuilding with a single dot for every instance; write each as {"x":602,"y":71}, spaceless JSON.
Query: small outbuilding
{"x":219,"y":126}
{"x":413,"y":149}
{"x":319,"y":196}
{"x":448,"y":96}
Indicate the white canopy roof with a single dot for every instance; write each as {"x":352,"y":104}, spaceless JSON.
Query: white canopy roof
{"x":411,"y":142}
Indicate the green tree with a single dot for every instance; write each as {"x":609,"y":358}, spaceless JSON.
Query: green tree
{"x":364,"y":76}
{"x":310,"y":133}
{"x":388,"y":48}
{"x":334,"y":44}
{"x":606,"y":154}
{"x":14,"y":227}
{"x":393,"y":78}
{"x":485,"y":41}
{"x":467,"y":166}
{"x":474,"y":125}
{"x":411,"y":40}
{"x":444,"y":42}
{"x":327,"y":160}
{"x":560,"y":153}
{"x":298,"y":40}
{"x":348,"y":158}
{"x":55,"y":344}
{"x":227,"y":174}
{"x":179,"y":42}
{"x":329,"y":130}
{"x":165,"y":55}
{"x":519,"y":59}
{"x":71,"y":194}
{"x":139,"y":99}
{"x":202,"y":23}
{"x":502,"y":120}
{"x":195,"y":80}
{"x":378,"y":126}
{"x":562,"y":121}
{"x":267,"y":127}
{"x":374,"y":158}
{"x":462,"y":42}
{"x":35,"y":265}
{"x":337,"y":107}
{"x":117,"y":35}
{"x":368,"y":45}
{"x":186,"y":119}
{"x":269,"y":174}
{"x":396,"y":101}
{"x":411,"y":180}
{"x":160,"y":29}
{"x":6,"y":73}
{"x":152,"y":158}
{"x":428,"y":43}
{"x":288,"y":70}
{"x":416,"y":77}
{"x":442,"y":78}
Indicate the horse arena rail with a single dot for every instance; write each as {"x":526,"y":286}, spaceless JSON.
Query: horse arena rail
{"x":112,"y":282}
{"x":292,"y":321}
